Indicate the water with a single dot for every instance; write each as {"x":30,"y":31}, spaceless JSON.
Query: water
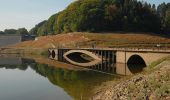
{"x":29,"y":78}
{"x":42,"y":79}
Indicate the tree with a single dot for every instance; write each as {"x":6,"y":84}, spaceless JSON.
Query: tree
{"x":34,"y":30}
{"x":22,"y":31}
{"x":10,"y":31}
{"x":163,"y":11}
{"x":106,"y":15}
{"x":167,"y":21}
{"x":2,"y":33}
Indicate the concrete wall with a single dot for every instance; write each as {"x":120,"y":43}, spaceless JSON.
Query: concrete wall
{"x":6,"y":40}
{"x":9,"y":40}
{"x":148,"y":57}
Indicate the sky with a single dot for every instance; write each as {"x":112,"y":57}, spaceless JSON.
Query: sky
{"x":157,"y":2}
{"x":27,"y":13}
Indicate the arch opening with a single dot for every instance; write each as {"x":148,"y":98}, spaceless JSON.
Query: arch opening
{"x":136,"y":64}
{"x":80,"y":57}
{"x":53,"y":54}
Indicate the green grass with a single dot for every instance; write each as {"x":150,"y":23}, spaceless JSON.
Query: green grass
{"x":44,"y":53}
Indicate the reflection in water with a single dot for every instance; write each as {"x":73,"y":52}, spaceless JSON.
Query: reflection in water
{"x":78,"y":84}
{"x":136,"y":68}
{"x":128,"y":69}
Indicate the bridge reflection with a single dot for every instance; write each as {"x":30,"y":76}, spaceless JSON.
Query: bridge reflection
{"x":110,"y":67}
{"x":118,"y":68}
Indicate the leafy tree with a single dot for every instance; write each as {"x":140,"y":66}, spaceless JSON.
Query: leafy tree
{"x":2,"y":33}
{"x":35,"y":29}
{"x":167,"y":21}
{"x":107,"y":15}
{"x":163,"y":11}
{"x":10,"y":31}
{"x":22,"y":31}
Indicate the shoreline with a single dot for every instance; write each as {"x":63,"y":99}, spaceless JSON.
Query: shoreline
{"x":152,"y":84}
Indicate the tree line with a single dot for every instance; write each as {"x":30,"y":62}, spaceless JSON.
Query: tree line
{"x":107,"y":15}
{"x":20,"y":31}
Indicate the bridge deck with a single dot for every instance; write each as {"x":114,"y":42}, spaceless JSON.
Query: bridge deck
{"x":158,"y":50}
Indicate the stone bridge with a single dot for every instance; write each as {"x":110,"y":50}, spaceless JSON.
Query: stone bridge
{"x":93,"y":56}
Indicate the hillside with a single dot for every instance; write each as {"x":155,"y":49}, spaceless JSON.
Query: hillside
{"x":78,"y":39}
{"x":107,"y":15}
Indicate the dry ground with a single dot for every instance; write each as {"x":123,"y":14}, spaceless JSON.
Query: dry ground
{"x":78,"y":39}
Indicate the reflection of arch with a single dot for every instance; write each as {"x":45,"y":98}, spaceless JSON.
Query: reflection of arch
{"x":136,"y":63}
{"x":53,"y":54}
{"x":82,"y":58}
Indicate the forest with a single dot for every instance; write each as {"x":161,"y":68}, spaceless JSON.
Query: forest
{"x":20,"y":31}
{"x":107,"y":16}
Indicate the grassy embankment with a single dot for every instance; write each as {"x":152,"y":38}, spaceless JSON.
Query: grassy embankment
{"x":77,"y":39}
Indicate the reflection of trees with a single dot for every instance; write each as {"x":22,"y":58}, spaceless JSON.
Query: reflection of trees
{"x":77,"y":84}
{"x":21,"y":67}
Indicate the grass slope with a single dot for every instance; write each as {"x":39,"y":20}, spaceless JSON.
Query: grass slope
{"x":78,"y":39}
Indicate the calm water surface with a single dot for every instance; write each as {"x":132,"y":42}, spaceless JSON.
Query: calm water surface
{"x":25,"y":79}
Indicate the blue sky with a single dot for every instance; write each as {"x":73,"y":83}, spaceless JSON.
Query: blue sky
{"x":27,"y":13}
{"x":157,"y":2}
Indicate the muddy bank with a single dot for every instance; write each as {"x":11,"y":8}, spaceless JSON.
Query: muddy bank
{"x":153,"y":84}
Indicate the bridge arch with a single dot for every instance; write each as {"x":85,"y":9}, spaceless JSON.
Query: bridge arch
{"x":136,"y":59}
{"x":82,"y":58}
{"x":53,"y":54}
{"x":136,"y":63}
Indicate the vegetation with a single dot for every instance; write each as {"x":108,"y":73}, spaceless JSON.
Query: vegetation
{"x":20,"y":31}
{"x":164,"y":13}
{"x":35,"y":29}
{"x":107,"y":15}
